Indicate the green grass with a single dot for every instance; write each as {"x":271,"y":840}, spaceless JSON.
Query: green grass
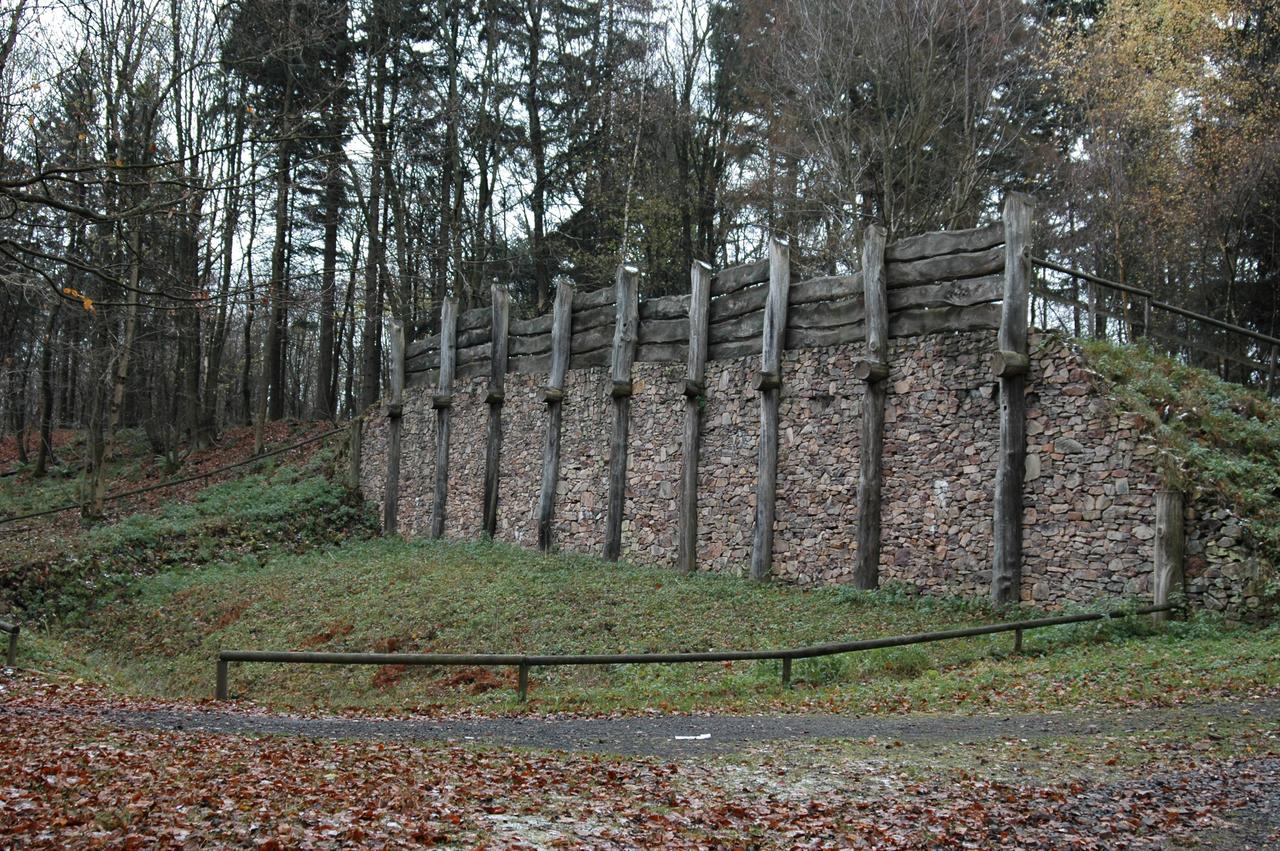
{"x":1216,"y":435}
{"x":163,"y":637}
{"x":278,"y":509}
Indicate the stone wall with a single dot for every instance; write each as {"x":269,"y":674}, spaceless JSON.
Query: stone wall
{"x":1091,"y":478}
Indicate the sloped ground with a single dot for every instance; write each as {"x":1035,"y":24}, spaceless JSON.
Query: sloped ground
{"x":1218,"y":437}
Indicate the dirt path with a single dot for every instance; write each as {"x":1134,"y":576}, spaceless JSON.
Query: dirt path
{"x":673,"y":737}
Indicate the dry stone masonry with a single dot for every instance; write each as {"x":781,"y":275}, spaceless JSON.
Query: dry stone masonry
{"x":1089,"y":478}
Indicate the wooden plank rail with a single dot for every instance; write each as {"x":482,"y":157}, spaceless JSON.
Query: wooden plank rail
{"x":523,"y":662}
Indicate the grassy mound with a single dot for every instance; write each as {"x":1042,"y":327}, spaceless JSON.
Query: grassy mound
{"x":390,"y":595}
{"x":1217,"y":436}
{"x":58,"y":574}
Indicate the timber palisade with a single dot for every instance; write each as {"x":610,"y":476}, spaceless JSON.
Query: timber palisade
{"x":648,"y":468}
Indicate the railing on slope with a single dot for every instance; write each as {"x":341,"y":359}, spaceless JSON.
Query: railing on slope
{"x":523,"y":662}
{"x":1138,"y":311}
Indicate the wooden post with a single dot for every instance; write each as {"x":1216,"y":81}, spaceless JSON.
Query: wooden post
{"x":1006,"y":562}
{"x":625,"y":328}
{"x":354,"y":451}
{"x":874,"y":371}
{"x":501,"y":301}
{"x":1271,"y":371}
{"x":769,"y":383}
{"x":1170,"y":541}
{"x":220,"y":683}
{"x":695,"y":392}
{"x":553,"y":395}
{"x":1093,"y":310}
{"x":442,"y":402}
{"x":395,"y":413}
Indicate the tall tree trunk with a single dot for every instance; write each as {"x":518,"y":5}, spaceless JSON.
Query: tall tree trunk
{"x":537,"y":153}
{"x":326,"y":358}
{"x":45,"y":456}
{"x":371,"y":351}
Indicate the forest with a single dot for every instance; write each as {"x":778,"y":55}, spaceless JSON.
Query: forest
{"x":212,"y":209}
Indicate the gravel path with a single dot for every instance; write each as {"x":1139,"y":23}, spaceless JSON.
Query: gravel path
{"x":682,"y":736}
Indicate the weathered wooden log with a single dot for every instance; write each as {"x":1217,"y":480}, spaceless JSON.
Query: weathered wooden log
{"x":535,"y":344}
{"x":944,"y":242}
{"x":395,"y":416}
{"x":530,"y":327}
{"x":661,"y":352}
{"x":588,"y":360}
{"x":875,"y":370}
{"x":945,"y":267}
{"x":599,"y":337}
{"x":473,"y":354}
{"x":771,"y":344}
{"x":746,"y":326}
{"x":1009,"y":363}
{"x":826,"y":288}
{"x":738,"y":303}
{"x":595,"y":317}
{"x":444,"y":388}
{"x":694,"y":391}
{"x":499,"y":315}
{"x":869,"y":370}
{"x":910,"y":323}
{"x":734,"y":278}
{"x":1168,"y":576}
{"x":470,"y":320}
{"x":587,"y":299}
{"x":625,"y":335}
{"x":561,"y":337}
{"x":664,"y":307}
{"x":826,"y":314}
{"x":962,"y":293}
{"x":1006,"y":567}
{"x":664,"y":330}
{"x":733,"y":349}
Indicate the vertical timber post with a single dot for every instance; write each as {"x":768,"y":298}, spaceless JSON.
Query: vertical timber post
{"x":1093,"y":310}
{"x":553,"y":396}
{"x":442,"y":402}
{"x":769,"y":383}
{"x":625,"y":328}
{"x":1170,"y":543}
{"x":501,"y":300}
{"x":874,"y":371}
{"x":695,"y":391}
{"x":1271,"y":371}
{"x":355,"y":448}
{"x":220,"y":682}
{"x":1011,"y":366}
{"x":395,"y":415}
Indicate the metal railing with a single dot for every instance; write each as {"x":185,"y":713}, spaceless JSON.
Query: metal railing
{"x":523,"y":662}
{"x":11,"y":654}
{"x":1268,"y":347}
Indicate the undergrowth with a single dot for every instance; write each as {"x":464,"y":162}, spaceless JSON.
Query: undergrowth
{"x":1215,"y":435}
{"x":276,"y":510}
